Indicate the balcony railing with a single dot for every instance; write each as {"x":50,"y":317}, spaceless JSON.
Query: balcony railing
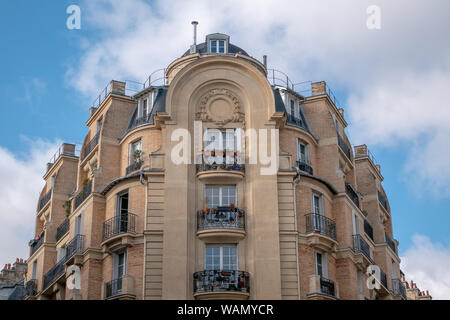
{"x":368,"y":229}
{"x":62,"y":229}
{"x":382,"y":200}
{"x":140,"y":121}
{"x":351,"y":192}
{"x":298,"y":122}
{"x":113,"y":288}
{"x":221,"y":218}
{"x":90,"y":146}
{"x":383,"y":278}
{"x":398,"y":288}
{"x":343,"y":145}
{"x":133,"y":167}
{"x":390,"y":242}
{"x":36,"y":244}
{"x":319,"y":223}
{"x":73,"y":247}
{"x":361,"y":246}
{"x":327,"y":287}
{"x":44,"y":200}
{"x":31,"y":288}
{"x":82,"y":195}
{"x":123,"y":223}
{"x":303,"y":166}
{"x":221,"y":280}
{"x":221,"y":161}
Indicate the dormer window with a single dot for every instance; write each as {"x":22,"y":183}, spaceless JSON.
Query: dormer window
{"x":217,"y":46}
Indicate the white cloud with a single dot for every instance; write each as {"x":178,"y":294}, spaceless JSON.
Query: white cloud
{"x":20,"y":185}
{"x":426,"y":263}
{"x":396,"y":78}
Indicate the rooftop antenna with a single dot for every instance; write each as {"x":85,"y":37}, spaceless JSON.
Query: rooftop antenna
{"x":194,"y":46}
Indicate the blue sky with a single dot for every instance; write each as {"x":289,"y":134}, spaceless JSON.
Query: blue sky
{"x":393,"y":90}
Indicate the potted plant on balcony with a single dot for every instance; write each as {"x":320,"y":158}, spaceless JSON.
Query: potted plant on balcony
{"x":66,"y":206}
{"x":137,"y":155}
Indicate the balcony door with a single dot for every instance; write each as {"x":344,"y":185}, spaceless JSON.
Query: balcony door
{"x":318,"y":212}
{"x":321,"y":264}
{"x":119,"y":270}
{"x":220,"y":196}
{"x":121,"y":218}
{"x":221,"y":257}
{"x":356,"y":224}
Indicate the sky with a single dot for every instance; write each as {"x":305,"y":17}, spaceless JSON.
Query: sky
{"x":393,"y":83}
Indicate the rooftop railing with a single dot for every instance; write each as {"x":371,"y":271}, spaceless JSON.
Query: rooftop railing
{"x":120,"y":224}
{"x":304,"y":166}
{"x":221,"y":280}
{"x":221,"y":218}
{"x":84,"y":193}
{"x":321,"y":224}
{"x":44,"y":200}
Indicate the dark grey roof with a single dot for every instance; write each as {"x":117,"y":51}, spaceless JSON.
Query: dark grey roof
{"x":232,"y":49}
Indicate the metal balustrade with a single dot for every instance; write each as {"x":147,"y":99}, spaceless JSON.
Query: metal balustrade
{"x":343,"y":145}
{"x":319,"y":223}
{"x":37,"y":243}
{"x":361,"y":246}
{"x":87,"y":190}
{"x":221,"y":218}
{"x":390,"y":242}
{"x":44,"y":200}
{"x":123,"y":223}
{"x":133,"y":167}
{"x":368,"y":229}
{"x":113,"y":288}
{"x":350,"y":191}
{"x":304,"y":166}
{"x":382,"y":200}
{"x":62,"y":229}
{"x":296,"y":121}
{"x":327,"y":286}
{"x":31,"y":288}
{"x":216,"y":160}
{"x":90,"y":145}
{"x":221,"y":280}
{"x":398,"y":288}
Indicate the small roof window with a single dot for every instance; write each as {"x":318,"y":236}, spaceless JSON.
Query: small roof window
{"x":217,"y":43}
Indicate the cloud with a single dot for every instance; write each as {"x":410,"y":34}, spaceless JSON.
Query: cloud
{"x":393,"y":81}
{"x":20,"y":185}
{"x":426,"y":263}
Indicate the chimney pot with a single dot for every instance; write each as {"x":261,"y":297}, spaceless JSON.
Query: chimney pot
{"x":265,"y":61}
{"x":194,"y":46}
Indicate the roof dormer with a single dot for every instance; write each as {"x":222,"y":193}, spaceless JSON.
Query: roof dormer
{"x":217,"y":43}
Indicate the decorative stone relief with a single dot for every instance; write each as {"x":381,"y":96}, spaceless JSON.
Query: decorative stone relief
{"x":220,"y":106}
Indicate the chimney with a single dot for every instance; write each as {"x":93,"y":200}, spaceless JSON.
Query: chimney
{"x":265,"y":61}
{"x":428,"y":293}
{"x":9,"y":266}
{"x":21,"y":260}
{"x":17,"y":260}
{"x":194,"y":46}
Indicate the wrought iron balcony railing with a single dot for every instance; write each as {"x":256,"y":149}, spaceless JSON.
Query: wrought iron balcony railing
{"x":36,"y":243}
{"x":73,"y":247}
{"x":62,"y":229}
{"x":327,"y":286}
{"x":90,"y":146}
{"x":383,"y":278}
{"x":133,"y":167}
{"x":319,"y":223}
{"x":44,"y":200}
{"x":221,"y":280}
{"x":298,"y":122}
{"x":140,"y":121}
{"x":390,"y":242}
{"x":382,"y":200}
{"x":368,"y":229}
{"x":343,"y":145}
{"x":221,"y":218}
{"x":398,"y":288}
{"x":31,"y":288}
{"x":123,"y":223}
{"x":351,"y":192}
{"x":361,"y":246}
{"x":87,"y":190}
{"x":113,"y":288}
{"x":221,"y":161}
{"x":303,"y":166}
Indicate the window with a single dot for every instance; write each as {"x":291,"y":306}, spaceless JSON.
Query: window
{"x":302,"y":152}
{"x":218,"y":196}
{"x":60,"y":253}
{"x":119,"y":267}
{"x":356,"y":222}
{"x":144,"y":108}
{"x":52,"y":181}
{"x":221,"y":257}
{"x":220,"y":140}
{"x":79,"y":224}
{"x":121,"y":220}
{"x":217,"y":46}
{"x":33,"y":275}
{"x":317,"y":203}
{"x":321,"y":264}
{"x":99,"y":124}
{"x":292,"y":108}
{"x":394,"y":271}
{"x":135,"y":152}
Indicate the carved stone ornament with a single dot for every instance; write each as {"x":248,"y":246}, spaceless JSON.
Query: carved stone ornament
{"x":220,"y":106}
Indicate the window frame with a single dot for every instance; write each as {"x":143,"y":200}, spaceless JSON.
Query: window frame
{"x":220,"y":196}
{"x":221,"y":256}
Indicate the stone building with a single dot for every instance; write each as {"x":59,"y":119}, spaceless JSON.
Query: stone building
{"x":11,"y":280}
{"x":412,"y":292}
{"x":137,"y":224}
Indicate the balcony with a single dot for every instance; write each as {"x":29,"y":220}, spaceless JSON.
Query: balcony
{"x":398,"y":289}
{"x":30,"y":289}
{"x":361,"y":246}
{"x":368,"y":229}
{"x":44,"y":200}
{"x":87,"y":190}
{"x":222,"y":223}
{"x":35,"y":244}
{"x":344,"y":147}
{"x":120,"y":289}
{"x":140,"y":122}
{"x":221,"y":165}
{"x":118,"y":231}
{"x":320,"y":231}
{"x":352,"y":193}
{"x":133,"y":167}
{"x":304,"y":166}
{"x":216,"y":284}
{"x":390,"y":243}
{"x":382,"y":200}
{"x":298,"y":122}
{"x":75,"y":246}
{"x":90,"y":146}
{"x":321,"y":288}
{"x":62,"y":229}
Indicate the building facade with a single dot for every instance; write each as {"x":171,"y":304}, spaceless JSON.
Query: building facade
{"x":133,"y":222}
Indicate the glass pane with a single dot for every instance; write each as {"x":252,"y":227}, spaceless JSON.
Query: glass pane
{"x":221,"y":46}
{"x":212,"y":196}
{"x":213,"y":46}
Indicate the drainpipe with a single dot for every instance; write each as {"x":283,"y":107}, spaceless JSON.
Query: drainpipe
{"x":296,"y":183}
